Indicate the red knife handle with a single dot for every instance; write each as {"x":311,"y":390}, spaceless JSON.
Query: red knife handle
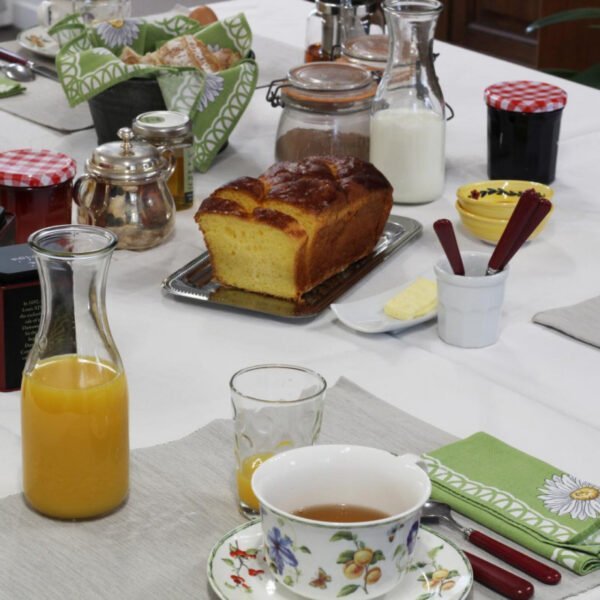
{"x":543,"y":208}
{"x":445,"y":232}
{"x":12,"y":57}
{"x":517,"y":559}
{"x":501,"y":581}
{"x":518,"y":220}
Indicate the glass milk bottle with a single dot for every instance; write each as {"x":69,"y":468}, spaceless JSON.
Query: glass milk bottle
{"x":74,"y":403}
{"x":407,"y":117}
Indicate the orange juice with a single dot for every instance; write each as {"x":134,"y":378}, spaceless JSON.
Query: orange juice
{"x":75,"y":437}
{"x":244,"y":478}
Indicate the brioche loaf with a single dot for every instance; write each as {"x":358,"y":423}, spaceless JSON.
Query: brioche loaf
{"x":296,"y":225}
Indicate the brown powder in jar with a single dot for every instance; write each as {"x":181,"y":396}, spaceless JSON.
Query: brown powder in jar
{"x":299,"y":143}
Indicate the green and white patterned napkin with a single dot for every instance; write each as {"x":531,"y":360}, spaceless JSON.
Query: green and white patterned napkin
{"x":538,"y":506}
{"x":8,"y":87}
{"x":88,"y":63}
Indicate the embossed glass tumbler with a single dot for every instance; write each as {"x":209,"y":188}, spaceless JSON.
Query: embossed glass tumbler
{"x":276,"y":407}
{"x":74,"y":403}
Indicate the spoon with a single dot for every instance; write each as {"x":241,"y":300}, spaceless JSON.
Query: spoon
{"x":439,"y":511}
{"x":17,"y":72}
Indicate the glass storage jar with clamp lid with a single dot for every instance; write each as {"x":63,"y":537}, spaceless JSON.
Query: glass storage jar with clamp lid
{"x":326,"y":108}
{"x":170,"y":130}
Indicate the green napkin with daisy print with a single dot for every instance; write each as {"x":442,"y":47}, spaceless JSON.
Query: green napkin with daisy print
{"x":89,"y":63}
{"x":538,"y":506}
{"x":8,"y":87}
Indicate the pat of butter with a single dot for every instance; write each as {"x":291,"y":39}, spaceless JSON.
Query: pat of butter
{"x":419,"y":298}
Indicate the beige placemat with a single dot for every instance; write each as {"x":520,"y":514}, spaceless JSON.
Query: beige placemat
{"x":580,"y":321}
{"x":44,"y":101}
{"x":182,"y":501}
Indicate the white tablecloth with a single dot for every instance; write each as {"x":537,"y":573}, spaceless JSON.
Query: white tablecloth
{"x":535,"y":388}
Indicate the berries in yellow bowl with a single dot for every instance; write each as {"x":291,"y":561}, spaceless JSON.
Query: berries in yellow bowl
{"x":489,"y":229}
{"x":497,"y":198}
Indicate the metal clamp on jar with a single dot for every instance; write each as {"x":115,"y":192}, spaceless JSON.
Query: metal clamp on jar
{"x":326,"y":109}
{"x":170,"y":130}
{"x":125,"y":190}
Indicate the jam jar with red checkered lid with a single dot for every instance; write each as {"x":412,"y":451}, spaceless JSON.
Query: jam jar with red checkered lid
{"x":523,"y":129}
{"x":36,"y":186}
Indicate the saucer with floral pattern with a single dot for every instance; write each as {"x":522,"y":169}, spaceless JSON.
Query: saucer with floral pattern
{"x":237,"y":569}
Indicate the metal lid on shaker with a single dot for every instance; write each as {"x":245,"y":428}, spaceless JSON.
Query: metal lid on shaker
{"x":164,"y":126}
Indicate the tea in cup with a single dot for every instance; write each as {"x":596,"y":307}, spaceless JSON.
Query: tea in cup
{"x":339,"y":518}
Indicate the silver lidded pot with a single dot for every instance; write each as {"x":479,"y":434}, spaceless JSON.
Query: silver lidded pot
{"x":325,"y":24}
{"x":125,"y":190}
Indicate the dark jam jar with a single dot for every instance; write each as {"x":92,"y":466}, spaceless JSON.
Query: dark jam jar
{"x":36,"y":186}
{"x":523,"y":129}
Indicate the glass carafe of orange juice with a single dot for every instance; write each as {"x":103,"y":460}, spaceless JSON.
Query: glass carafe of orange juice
{"x":74,"y":404}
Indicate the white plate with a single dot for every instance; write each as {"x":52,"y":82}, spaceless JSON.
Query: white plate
{"x":227,"y":575}
{"x":367,"y":315}
{"x":38,"y":41}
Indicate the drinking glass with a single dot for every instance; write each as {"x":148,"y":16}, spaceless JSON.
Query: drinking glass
{"x":276,"y":408}
{"x":96,"y":11}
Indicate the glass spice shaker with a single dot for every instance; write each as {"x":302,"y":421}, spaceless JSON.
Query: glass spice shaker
{"x":171,"y":130}
{"x":74,"y":400}
{"x":326,"y":109}
{"x":408,"y":115}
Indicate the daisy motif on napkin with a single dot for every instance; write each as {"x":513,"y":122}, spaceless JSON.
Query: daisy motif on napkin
{"x":538,"y":506}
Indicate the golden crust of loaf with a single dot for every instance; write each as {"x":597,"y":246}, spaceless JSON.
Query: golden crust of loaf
{"x":296,"y":225}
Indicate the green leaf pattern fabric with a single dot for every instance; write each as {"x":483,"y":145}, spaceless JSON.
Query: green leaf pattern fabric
{"x":521,"y":497}
{"x":88,"y":64}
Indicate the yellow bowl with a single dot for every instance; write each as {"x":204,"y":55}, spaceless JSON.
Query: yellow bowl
{"x":497,"y":198}
{"x":490,"y":230}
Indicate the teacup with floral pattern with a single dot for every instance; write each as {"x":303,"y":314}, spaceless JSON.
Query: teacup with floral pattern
{"x":324,"y":559}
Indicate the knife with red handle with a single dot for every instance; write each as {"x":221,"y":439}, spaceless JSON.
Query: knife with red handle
{"x":504,"y":582}
{"x":514,"y":557}
{"x":519,"y":218}
{"x":445,"y":232}
{"x":13,"y":57}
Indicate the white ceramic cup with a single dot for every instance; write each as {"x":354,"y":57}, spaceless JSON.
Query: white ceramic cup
{"x":469,"y":306}
{"x":321,"y":559}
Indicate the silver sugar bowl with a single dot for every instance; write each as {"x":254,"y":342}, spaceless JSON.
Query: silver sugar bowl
{"x":125,"y":190}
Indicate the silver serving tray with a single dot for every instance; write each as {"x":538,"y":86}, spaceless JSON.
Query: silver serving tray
{"x":195,"y":282}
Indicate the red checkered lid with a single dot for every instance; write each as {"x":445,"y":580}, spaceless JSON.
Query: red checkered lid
{"x":525,"y":96}
{"x":35,"y":168}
